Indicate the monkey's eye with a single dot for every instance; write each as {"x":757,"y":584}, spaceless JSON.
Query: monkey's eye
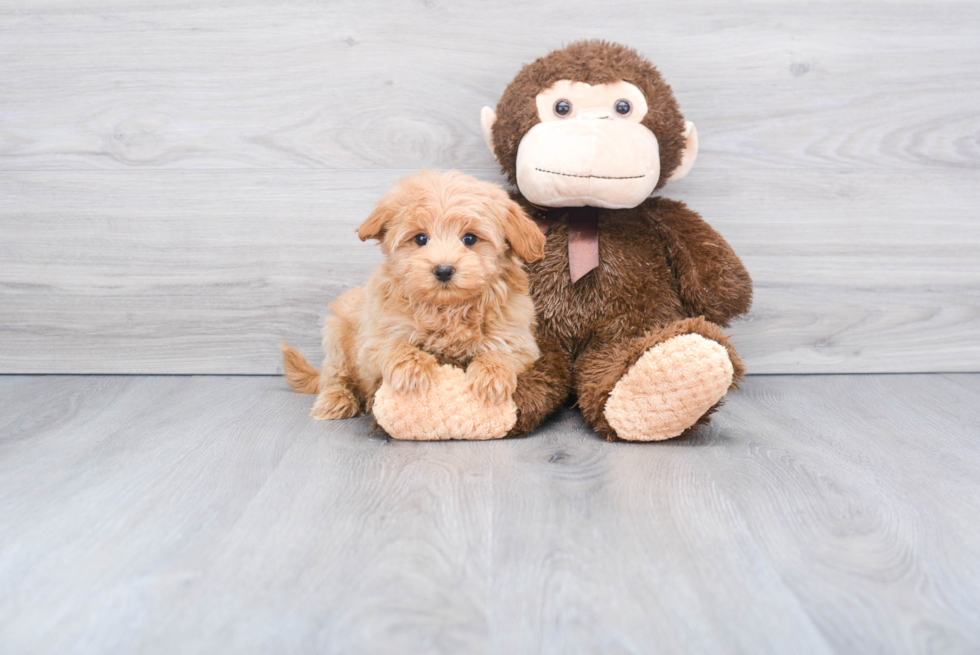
{"x":469,"y":239}
{"x":623,"y":107}
{"x":563,"y":108}
{"x":421,"y":239}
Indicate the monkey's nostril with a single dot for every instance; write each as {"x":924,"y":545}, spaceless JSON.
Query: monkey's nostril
{"x":443,"y":272}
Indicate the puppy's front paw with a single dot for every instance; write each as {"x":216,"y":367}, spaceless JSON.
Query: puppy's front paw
{"x":491,"y":381}
{"x":412,"y":374}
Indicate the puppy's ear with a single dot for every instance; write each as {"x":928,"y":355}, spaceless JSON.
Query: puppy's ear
{"x":374,"y":226}
{"x":522,"y":233}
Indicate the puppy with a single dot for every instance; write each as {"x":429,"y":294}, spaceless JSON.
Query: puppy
{"x":452,"y":289}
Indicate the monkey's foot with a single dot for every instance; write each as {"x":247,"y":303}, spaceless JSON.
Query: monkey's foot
{"x":669,"y":388}
{"x":448,"y":410}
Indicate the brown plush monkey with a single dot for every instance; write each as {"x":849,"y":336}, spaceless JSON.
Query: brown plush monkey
{"x":632,"y":289}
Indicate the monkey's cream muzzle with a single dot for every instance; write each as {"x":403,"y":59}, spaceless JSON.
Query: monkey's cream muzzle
{"x":590,"y":147}
{"x":588,"y":162}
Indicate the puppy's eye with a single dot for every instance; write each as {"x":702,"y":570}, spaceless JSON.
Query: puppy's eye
{"x":469,"y":239}
{"x":623,"y":107}
{"x":421,"y":239}
{"x":563,"y":108}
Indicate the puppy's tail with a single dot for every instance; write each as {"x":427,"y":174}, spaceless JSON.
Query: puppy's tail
{"x":299,"y":373}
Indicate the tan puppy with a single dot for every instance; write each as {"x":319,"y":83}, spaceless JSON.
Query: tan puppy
{"x":451,"y":290}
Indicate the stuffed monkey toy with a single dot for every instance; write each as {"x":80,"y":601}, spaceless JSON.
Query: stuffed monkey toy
{"x":633,"y":290}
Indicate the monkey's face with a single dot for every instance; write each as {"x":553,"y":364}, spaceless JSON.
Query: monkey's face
{"x":593,"y":124}
{"x":590,"y":148}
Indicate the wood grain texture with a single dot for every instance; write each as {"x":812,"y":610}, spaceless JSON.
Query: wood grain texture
{"x":204,"y":272}
{"x":822,"y":514}
{"x":354,"y":84}
{"x":179,"y":181}
{"x":161,"y":499}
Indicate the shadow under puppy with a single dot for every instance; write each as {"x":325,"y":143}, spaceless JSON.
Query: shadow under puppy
{"x":451,"y":290}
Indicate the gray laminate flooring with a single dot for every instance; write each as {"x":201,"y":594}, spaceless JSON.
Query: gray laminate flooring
{"x":210,"y":515}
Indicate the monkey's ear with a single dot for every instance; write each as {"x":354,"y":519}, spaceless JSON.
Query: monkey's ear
{"x":689,"y":154}
{"x":523,"y":234}
{"x":488,"y":118}
{"x":374,"y":226}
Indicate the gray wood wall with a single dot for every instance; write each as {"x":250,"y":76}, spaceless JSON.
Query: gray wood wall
{"x":180,"y":181}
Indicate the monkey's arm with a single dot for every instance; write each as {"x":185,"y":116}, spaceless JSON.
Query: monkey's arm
{"x":713,"y":282}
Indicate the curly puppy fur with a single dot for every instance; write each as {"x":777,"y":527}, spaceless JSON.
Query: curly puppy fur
{"x":662,"y":270}
{"x":405,"y":321}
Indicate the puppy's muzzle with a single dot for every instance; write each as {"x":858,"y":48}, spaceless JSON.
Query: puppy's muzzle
{"x":443,"y":272}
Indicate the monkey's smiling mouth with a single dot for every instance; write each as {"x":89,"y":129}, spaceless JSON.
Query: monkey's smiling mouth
{"x":596,"y":177}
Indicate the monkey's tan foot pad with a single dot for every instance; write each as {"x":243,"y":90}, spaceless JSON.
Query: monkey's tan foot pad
{"x":447,"y":411}
{"x":669,"y":388}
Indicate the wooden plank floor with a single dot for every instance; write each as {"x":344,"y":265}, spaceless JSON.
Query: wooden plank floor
{"x":823,"y":514}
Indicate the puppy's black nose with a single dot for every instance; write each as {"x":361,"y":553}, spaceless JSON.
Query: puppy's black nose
{"x":444,"y":272}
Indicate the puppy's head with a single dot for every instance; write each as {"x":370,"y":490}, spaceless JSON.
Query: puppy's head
{"x":449,"y":237}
